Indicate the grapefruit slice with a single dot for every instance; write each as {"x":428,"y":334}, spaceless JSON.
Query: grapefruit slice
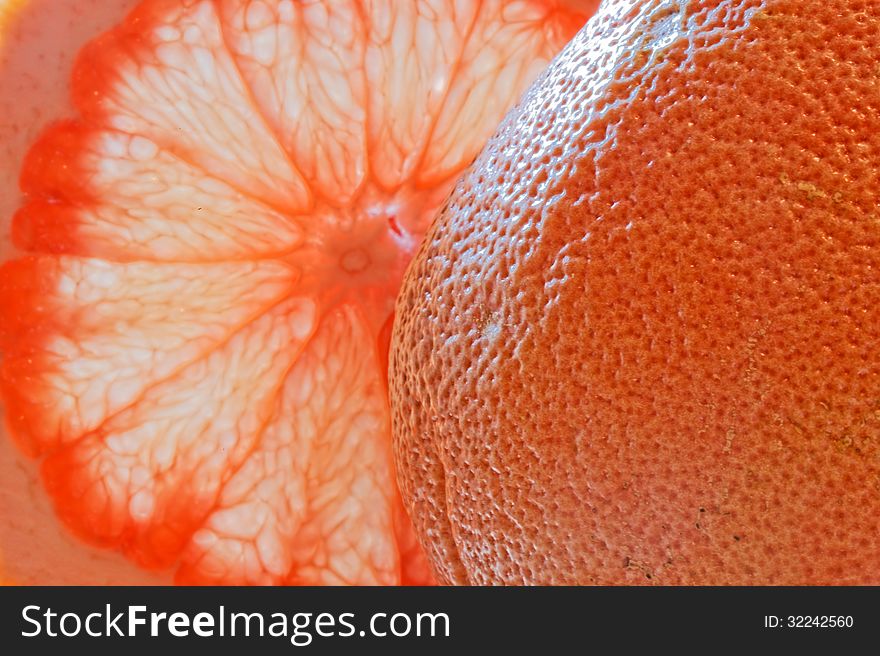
{"x":194,"y":344}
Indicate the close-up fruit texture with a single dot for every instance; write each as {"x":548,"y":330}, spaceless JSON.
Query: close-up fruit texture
{"x":442,"y":291}
{"x":209,"y":239}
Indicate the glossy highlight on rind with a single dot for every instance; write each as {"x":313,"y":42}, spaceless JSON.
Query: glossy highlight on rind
{"x":641,"y":343}
{"x":191,"y":349}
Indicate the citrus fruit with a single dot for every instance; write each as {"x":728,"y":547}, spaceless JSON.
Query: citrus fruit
{"x":193,"y":342}
{"x":641,"y":344}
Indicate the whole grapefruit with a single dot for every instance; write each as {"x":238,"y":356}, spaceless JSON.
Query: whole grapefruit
{"x":641,"y":343}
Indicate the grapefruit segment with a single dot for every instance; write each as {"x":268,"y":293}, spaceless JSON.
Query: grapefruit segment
{"x":167,"y":75}
{"x":315,"y":501}
{"x":407,"y":93}
{"x":124,"y":482}
{"x":103,"y":333}
{"x":120,"y":196}
{"x":486,"y":85}
{"x":431,"y":111}
{"x":303,"y":62}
